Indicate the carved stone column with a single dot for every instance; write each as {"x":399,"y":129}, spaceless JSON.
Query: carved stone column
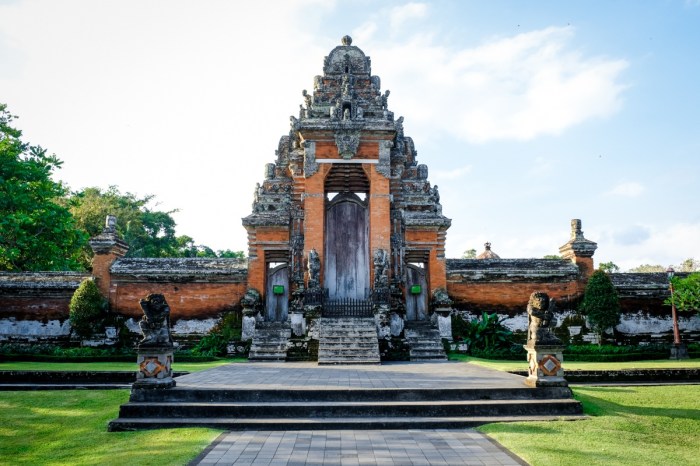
{"x":155,"y":351}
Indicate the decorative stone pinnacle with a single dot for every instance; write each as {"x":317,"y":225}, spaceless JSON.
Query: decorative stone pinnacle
{"x":346,"y":40}
{"x":487,"y":246}
{"x":108,"y":242}
{"x":578,"y":245}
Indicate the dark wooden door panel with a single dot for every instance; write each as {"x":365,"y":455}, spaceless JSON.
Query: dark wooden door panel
{"x":347,"y":248}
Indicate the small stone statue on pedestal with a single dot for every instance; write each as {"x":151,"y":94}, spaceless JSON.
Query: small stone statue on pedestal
{"x":544,"y":349}
{"x":155,"y":350}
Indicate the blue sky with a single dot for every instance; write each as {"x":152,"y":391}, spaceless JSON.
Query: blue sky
{"x":527,"y":113}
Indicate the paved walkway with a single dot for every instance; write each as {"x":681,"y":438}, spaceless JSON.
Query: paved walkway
{"x":309,"y":375}
{"x":354,"y":447}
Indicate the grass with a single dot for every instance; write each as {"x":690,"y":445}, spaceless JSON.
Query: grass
{"x":106,"y":366}
{"x":70,"y":428}
{"x":628,"y":426}
{"x":582,"y":365}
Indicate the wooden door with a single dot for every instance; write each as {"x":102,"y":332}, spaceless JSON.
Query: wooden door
{"x":277,"y":294}
{"x":346,"y":273}
{"x":416,"y":303}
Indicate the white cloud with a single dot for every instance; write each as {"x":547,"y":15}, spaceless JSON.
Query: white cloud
{"x":400,"y":15}
{"x":515,"y":88}
{"x":629,"y":189}
{"x":453,"y":174}
{"x":657,"y":245}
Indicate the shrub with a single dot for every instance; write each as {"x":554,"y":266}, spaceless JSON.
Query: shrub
{"x":481,"y":334}
{"x":601,"y":303}
{"x":215,"y":343}
{"x":87,"y":309}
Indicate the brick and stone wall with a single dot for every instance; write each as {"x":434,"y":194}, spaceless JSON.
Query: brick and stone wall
{"x":198,"y":290}
{"x":34,"y":306}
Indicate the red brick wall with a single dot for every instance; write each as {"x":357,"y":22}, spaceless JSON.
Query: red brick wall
{"x":186,"y":300}
{"x":508,"y":295}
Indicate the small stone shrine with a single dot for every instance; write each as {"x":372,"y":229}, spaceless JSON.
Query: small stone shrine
{"x":155,"y":350}
{"x":544,"y":349}
{"x":345,"y":221}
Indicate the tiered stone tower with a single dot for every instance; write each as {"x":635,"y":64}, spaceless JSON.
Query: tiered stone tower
{"x":345,"y":219}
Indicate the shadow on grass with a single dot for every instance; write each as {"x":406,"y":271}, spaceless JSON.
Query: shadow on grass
{"x":629,"y":404}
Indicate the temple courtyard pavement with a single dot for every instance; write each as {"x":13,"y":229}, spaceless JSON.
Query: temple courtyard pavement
{"x":353,"y":446}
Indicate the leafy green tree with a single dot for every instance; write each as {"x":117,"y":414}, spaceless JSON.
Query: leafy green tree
{"x":609,"y":267}
{"x":149,"y":232}
{"x":689,"y":265}
{"x":228,"y":254}
{"x":87,"y":309}
{"x":686,"y":293}
{"x":552,"y":256}
{"x":469,"y":254}
{"x":601,"y":303}
{"x":37,"y":231}
{"x":648,"y":268}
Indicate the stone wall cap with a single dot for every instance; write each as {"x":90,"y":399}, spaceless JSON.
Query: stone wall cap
{"x":179,"y":266}
{"x":494,"y":269}
{"x":43,"y":280}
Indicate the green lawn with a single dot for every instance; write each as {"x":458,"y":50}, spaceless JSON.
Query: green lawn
{"x":70,"y":428}
{"x":628,"y":426}
{"x":105,"y":366}
{"x":582,"y":365}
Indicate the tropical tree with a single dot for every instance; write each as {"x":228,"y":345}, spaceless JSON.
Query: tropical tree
{"x":147,"y":231}
{"x":689,"y":265}
{"x":469,"y":254}
{"x":609,"y":267}
{"x":37,"y":232}
{"x":686,"y":293}
{"x":552,"y":256}
{"x":601,"y":303}
{"x":648,"y":268}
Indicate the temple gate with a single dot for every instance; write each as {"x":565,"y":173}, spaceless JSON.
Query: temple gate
{"x":345,"y":216}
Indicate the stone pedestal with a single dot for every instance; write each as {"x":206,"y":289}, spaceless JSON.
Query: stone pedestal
{"x":545,"y":366}
{"x":679,"y":351}
{"x":298,"y":323}
{"x":444,"y":322}
{"x":248,"y":325}
{"x":155,"y":367}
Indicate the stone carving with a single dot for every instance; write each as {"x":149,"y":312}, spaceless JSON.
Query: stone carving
{"x":346,"y":114}
{"x":540,"y":311}
{"x":422,"y":172}
{"x":360,"y":114}
{"x":307,"y":99}
{"x":251,"y":301}
{"x":347,"y":142}
{"x":441,"y":298}
{"x":381,"y":266}
{"x":155,"y":324}
{"x":310,"y":164}
{"x":314,"y":269}
{"x":110,"y":224}
{"x":269,"y":171}
{"x":383,"y":100}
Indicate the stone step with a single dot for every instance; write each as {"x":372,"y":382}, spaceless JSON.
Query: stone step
{"x":352,"y":409}
{"x":328,"y":423}
{"x":348,"y":341}
{"x":179,"y":394}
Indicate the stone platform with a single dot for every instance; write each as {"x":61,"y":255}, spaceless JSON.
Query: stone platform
{"x":285,"y":396}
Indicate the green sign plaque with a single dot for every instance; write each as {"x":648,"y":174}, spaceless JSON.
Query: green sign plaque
{"x":416,"y":289}
{"x":277,"y":289}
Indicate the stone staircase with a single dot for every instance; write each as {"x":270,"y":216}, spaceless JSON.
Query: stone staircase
{"x":348,"y":340}
{"x":424,"y":341}
{"x":331,"y":408}
{"x":270,"y":341}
